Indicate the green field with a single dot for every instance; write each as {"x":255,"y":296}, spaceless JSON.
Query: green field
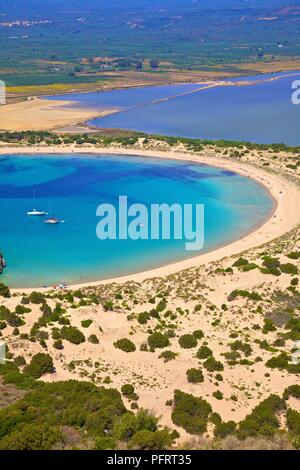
{"x":178,"y":34}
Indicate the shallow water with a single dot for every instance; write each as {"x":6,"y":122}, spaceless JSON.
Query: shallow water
{"x":73,"y":186}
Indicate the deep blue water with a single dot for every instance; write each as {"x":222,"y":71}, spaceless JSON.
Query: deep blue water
{"x":73,"y":187}
{"x":261,"y":113}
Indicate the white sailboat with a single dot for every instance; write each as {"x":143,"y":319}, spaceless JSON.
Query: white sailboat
{"x":36,"y":212}
{"x":53,"y":220}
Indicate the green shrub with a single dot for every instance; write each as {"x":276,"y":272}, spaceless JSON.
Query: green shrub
{"x":215,"y":418}
{"x":294,"y":255}
{"x":40,"y":364}
{"x":72,"y":334}
{"x":46,"y":309}
{"x":105,"y":443}
{"x":279,"y":362}
{"x":289,"y":268}
{"x":143,"y":317}
{"x":249,"y":267}
{"x":19,"y":361}
{"x":167,"y":356}
{"x":36,"y":298}
{"x":158,"y":340}
{"x":127,"y":390}
{"x":76,"y":404}
{"x":194,"y":375}
{"x":262,"y":422}
{"x":240,"y":346}
{"x":204,"y":352}
{"x":223,"y":430}
{"x":125,"y":345}
{"x":198,"y":334}
{"x":188,"y":341}
{"x":212,"y":365}
{"x":86,"y":323}
{"x":268,"y":326}
{"x":93,"y":339}
{"x":218,"y":395}
{"x":149,"y":440}
{"x":271,"y":263}
{"x":32,"y":436}
{"x":21,"y":310}
{"x":240,"y":262}
{"x":4,"y":290}
{"x":271,"y":271}
{"x":161,"y":306}
{"x":292,"y":391}
{"x":58,"y":344}
{"x":191,"y":413}
{"x":293,"y":421}
{"x":129,"y":424}
{"x":245,"y":294}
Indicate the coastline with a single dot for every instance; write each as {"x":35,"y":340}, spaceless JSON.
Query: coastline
{"x":284,"y":218}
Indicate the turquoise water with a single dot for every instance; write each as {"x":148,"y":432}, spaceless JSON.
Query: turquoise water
{"x":261,"y":113}
{"x":73,"y":186}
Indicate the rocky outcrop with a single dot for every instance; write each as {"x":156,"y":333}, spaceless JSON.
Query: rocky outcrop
{"x":2,"y":263}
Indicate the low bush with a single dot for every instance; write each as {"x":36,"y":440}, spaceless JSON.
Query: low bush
{"x":212,"y":365}
{"x":143,"y":317}
{"x":149,"y":440}
{"x":168,"y":356}
{"x":127,"y":390}
{"x":188,"y":341}
{"x":263,"y":421}
{"x":240,"y":262}
{"x":4,"y":290}
{"x":105,"y":443}
{"x":279,"y":362}
{"x":292,"y":391}
{"x":93,"y":339}
{"x":58,"y":344}
{"x":269,"y":326}
{"x":223,"y":430}
{"x":191,"y":413}
{"x":204,"y":352}
{"x":289,"y":268}
{"x":194,"y":375}
{"x":125,"y":345}
{"x":72,"y":334}
{"x":40,"y":364}
{"x":36,"y":298}
{"x":158,"y":340}
{"x":218,"y":395}
{"x":293,"y":421}
{"x":198,"y":334}
{"x":245,"y":294}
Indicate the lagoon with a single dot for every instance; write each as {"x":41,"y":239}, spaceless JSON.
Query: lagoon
{"x":71,"y":187}
{"x":260,"y":112}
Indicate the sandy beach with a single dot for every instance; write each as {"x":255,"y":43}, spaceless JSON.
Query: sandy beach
{"x":285,"y":217}
{"x":37,"y":114}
